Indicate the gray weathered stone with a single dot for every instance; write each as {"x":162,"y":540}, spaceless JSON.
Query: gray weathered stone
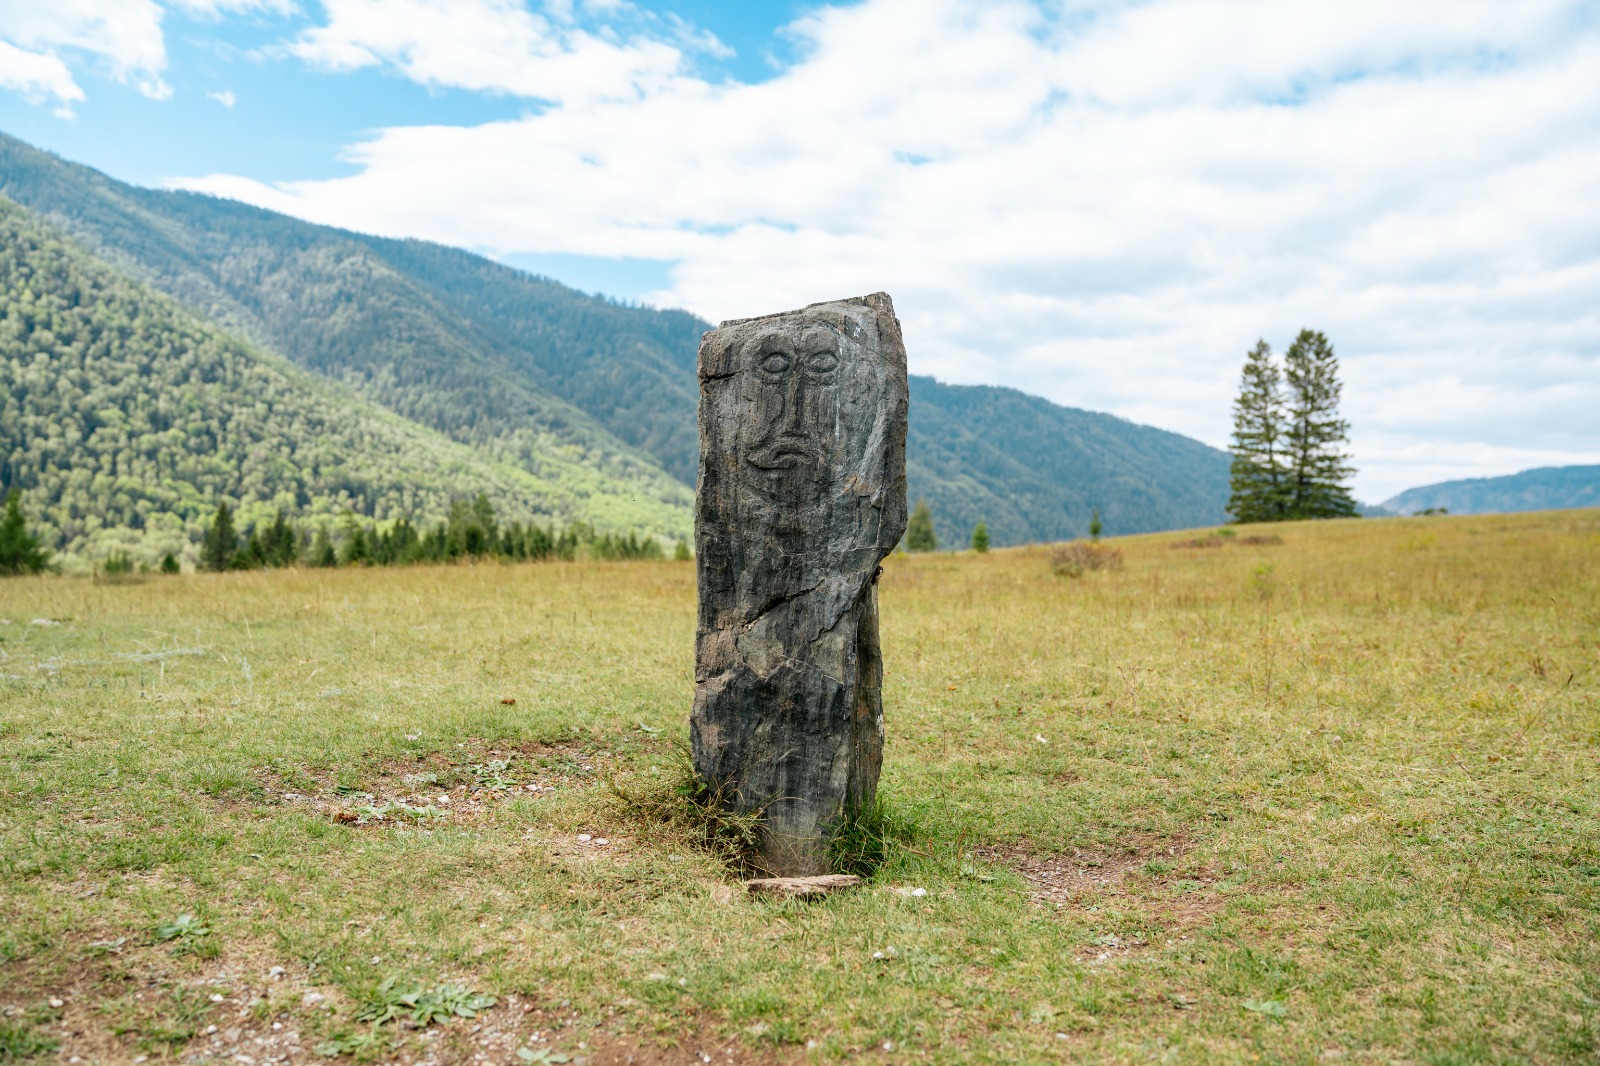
{"x":802,"y":493}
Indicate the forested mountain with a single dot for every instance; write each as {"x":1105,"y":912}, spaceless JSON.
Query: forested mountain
{"x":484,"y":353}
{"x":531,"y":373}
{"x":1034,"y":470}
{"x":1547,"y":488}
{"x":127,"y":419}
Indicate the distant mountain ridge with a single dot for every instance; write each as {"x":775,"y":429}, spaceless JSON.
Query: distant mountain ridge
{"x":1035,"y":471}
{"x":531,"y":374}
{"x":1545,"y":488}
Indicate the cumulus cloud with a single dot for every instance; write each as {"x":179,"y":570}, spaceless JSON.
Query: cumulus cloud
{"x":226,"y":98}
{"x":487,"y":45}
{"x":1102,"y":202}
{"x":126,"y":34}
{"x":218,"y":8}
{"x":38,"y":76}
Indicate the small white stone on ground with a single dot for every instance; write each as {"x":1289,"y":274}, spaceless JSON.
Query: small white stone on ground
{"x":57,"y":1001}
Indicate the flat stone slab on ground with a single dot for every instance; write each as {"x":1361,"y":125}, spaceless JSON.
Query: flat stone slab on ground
{"x":801,"y":887}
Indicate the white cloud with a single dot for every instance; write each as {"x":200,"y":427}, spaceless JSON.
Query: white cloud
{"x":486,"y":45}
{"x":37,"y":76}
{"x":1102,"y":204}
{"x":218,"y":8}
{"x":124,"y":33}
{"x":225,"y":98}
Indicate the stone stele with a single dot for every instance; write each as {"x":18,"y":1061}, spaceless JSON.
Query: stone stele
{"x":802,"y":493}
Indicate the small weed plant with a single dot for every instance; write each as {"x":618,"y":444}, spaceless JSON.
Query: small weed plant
{"x":20,"y":1041}
{"x":183,"y":927}
{"x":421,"y":1007}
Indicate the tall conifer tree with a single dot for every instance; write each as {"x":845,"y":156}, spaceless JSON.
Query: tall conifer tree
{"x":1259,"y":475}
{"x":20,"y":550}
{"x":919,"y":529}
{"x":216,"y":551}
{"x":1318,"y":465}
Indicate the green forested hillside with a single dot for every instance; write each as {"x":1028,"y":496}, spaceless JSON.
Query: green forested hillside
{"x":632,"y":369}
{"x":491,"y":356}
{"x":1547,"y":488}
{"x":532,"y":373}
{"x":1034,"y":470}
{"x":125,"y":419}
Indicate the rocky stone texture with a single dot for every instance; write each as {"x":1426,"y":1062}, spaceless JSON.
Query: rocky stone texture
{"x":801,"y":887}
{"x":802,"y":493}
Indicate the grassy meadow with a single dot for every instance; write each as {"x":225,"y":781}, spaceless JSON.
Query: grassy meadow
{"x":1334,"y":799}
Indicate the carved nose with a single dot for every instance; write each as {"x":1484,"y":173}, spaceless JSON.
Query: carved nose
{"x":794,"y":413}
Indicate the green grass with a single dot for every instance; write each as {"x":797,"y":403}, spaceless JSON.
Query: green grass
{"x":1333,"y":799}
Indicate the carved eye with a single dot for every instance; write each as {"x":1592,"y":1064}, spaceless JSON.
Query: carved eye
{"x":775,"y":362}
{"x":822,"y":362}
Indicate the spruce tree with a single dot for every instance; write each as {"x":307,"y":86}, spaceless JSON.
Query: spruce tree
{"x":20,"y":551}
{"x":216,"y":550}
{"x":281,"y":544}
{"x":322,"y":553}
{"x":980,"y":537}
{"x":357,"y":551}
{"x":919,"y":529}
{"x":1094,"y":525}
{"x":1258,"y":477}
{"x":169,"y":564}
{"x":1319,"y":470}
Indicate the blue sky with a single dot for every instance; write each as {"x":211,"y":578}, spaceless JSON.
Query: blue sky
{"x":289,"y":119}
{"x":1104,"y":202}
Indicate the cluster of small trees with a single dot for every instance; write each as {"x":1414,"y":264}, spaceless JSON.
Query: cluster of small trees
{"x":1289,"y":442}
{"x":920,"y":537}
{"x":471,"y":531}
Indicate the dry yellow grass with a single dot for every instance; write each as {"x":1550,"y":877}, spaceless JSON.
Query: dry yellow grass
{"x":1330,"y":799}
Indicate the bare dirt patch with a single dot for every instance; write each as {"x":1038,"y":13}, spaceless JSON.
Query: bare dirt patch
{"x":703,"y":1046}
{"x":1149,"y":877}
{"x":453,"y":786}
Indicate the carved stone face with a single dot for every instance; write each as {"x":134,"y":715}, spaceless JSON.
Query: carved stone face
{"x":789,"y":405}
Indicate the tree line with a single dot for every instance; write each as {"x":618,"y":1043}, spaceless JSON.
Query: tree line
{"x":470,"y":532}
